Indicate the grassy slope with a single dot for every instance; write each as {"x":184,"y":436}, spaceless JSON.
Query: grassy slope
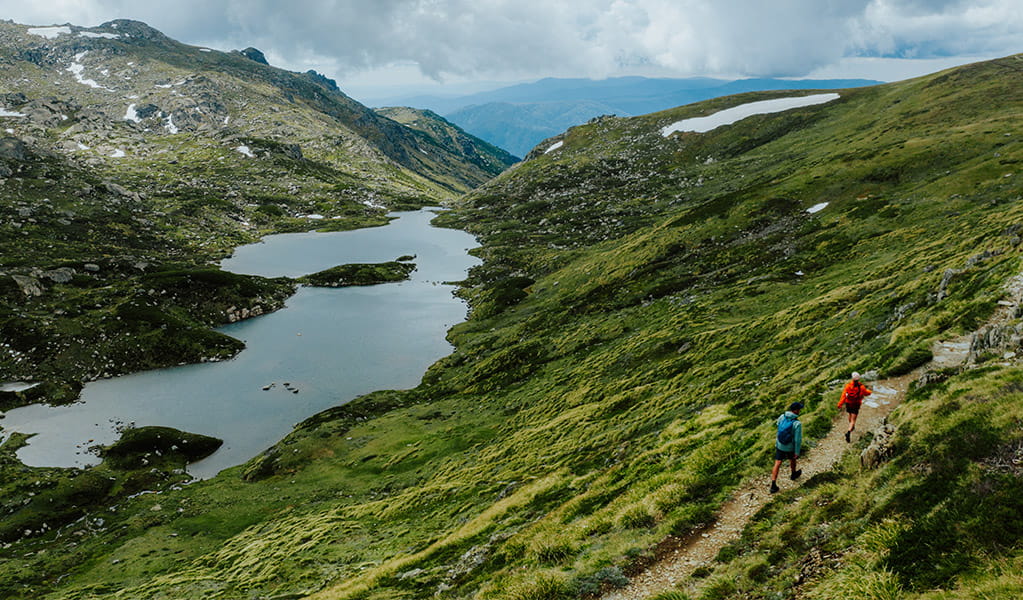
{"x":637,"y":325}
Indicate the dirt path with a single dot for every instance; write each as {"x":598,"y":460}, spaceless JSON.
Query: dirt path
{"x":702,"y":546}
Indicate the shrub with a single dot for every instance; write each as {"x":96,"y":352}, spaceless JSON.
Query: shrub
{"x":592,"y":585}
{"x":861,"y":583}
{"x":637,"y":517}
{"x":543,"y":587}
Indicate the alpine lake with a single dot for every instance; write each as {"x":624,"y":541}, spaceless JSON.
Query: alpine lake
{"x":325,"y":348}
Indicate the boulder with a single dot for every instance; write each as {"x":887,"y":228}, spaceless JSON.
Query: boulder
{"x":61,"y":275}
{"x":147,"y":110}
{"x":13,"y":149}
{"x":29,"y":285}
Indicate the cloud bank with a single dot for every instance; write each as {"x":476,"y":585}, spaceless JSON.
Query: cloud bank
{"x":595,"y":38}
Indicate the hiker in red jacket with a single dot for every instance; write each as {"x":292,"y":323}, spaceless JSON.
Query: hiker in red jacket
{"x":852,"y":398}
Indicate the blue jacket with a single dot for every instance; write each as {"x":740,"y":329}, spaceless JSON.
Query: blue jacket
{"x":797,"y":433}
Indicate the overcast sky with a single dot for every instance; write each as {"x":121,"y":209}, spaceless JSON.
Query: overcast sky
{"x":367,"y":44}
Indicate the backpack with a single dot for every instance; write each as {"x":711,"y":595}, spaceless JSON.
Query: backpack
{"x":785,"y":432}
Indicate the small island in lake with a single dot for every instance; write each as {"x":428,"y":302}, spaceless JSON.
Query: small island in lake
{"x":144,"y":447}
{"x":361,"y":274}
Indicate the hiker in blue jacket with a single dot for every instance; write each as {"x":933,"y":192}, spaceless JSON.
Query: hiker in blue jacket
{"x":787,"y":443}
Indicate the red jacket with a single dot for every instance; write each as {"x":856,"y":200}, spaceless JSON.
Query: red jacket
{"x":854,"y":393}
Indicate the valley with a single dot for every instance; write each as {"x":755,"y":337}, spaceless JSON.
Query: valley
{"x":648,"y":302}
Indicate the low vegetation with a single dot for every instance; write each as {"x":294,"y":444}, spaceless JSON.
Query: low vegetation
{"x":646,"y":307}
{"x":360,"y":274}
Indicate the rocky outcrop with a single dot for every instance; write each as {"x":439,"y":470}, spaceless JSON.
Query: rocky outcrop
{"x":254,"y":54}
{"x":1004,"y":339}
{"x":61,"y":275}
{"x":13,"y":149}
{"x":323,"y":80}
{"x":880,"y":448}
{"x":29,"y":285}
{"x":235,"y":314}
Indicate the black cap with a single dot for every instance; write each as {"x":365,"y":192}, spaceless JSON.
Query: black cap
{"x":796,"y":406}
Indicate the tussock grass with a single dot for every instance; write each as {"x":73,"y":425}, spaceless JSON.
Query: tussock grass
{"x":633,"y":383}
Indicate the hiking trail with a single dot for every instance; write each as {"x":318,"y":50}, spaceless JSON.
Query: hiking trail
{"x":676,"y":558}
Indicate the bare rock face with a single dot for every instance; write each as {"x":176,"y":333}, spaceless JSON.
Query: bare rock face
{"x":880,"y":448}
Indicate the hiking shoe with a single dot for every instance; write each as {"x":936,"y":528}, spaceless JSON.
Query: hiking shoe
{"x":847,"y":436}
{"x":774,"y":487}
{"x":796,"y":474}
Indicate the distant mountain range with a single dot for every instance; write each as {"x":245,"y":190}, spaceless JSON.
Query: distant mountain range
{"x":519,"y":117}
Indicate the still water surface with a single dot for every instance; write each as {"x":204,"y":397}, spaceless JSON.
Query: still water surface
{"x":330,"y":344}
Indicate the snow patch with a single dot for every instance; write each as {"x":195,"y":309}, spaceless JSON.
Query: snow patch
{"x":737,"y":113}
{"x":11,"y":113}
{"x":131,"y":114}
{"x":816,"y":208}
{"x":169,"y":125}
{"x":49,"y":33}
{"x":554,"y":147}
{"x":169,"y":85}
{"x":117,"y":153}
{"x":16,"y":386}
{"x":9,"y":130}
{"x":314,"y":217}
{"x":246,"y":151}
{"x":93,"y":34}
{"x":82,"y":146}
{"x":77,"y":69}
{"x":205,"y":50}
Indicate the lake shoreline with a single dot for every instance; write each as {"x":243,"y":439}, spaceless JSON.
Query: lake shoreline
{"x":229,"y":329}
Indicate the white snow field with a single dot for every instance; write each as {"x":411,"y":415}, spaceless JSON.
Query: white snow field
{"x":738,"y":113}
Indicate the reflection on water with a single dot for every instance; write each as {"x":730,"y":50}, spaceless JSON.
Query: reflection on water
{"x":328,"y":345}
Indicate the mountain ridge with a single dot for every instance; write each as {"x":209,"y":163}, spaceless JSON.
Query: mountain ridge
{"x":518,"y":117}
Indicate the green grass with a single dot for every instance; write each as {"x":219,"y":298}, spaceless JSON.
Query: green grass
{"x":636,"y":326}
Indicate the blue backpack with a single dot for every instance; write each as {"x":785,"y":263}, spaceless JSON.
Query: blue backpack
{"x":785,"y":433}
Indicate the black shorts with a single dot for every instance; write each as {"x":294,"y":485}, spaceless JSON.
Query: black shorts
{"x":852,"y":409}
{"x":783,"y":454}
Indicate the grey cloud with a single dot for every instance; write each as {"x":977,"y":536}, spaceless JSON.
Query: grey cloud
{"x":523,"y":38}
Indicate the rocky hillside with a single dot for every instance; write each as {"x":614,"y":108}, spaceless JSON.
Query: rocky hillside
{"x":128,"y":160}
{"x":648,"y":304}
{"x":450,"y":137}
